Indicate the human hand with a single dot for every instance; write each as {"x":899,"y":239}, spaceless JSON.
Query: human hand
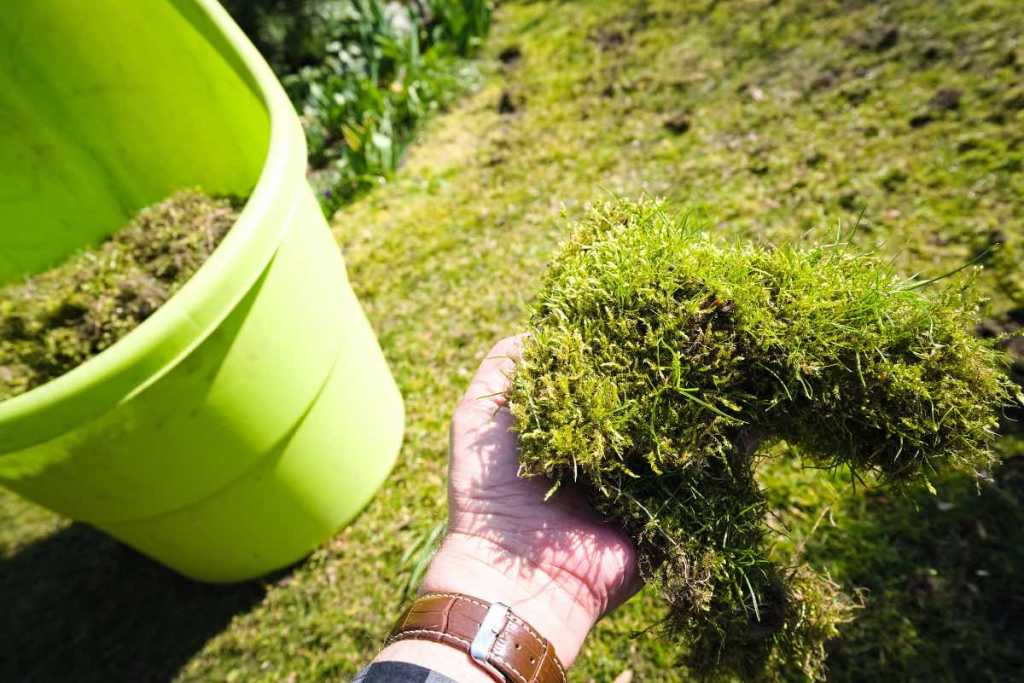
{"x":554,"y":562}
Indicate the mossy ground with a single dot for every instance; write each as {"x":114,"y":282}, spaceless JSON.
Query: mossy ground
{"x":766,"y":118}
{"x":54,"y":321}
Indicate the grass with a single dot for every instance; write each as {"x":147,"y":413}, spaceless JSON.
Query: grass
{"x":764,"y":119}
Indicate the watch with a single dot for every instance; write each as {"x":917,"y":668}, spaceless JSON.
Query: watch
{"x":493,"y":636}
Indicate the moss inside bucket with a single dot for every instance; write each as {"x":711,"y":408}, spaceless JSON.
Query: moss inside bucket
{"x":660,"y":367}
{"x":54,"y":321}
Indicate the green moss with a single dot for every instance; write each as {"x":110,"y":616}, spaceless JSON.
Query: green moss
{"x":54,"y":321}
{"x":661,"y":361}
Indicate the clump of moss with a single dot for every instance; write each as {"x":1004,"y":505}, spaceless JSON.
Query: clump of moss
{"x":659,"y":364}
{"x":54,"y":321}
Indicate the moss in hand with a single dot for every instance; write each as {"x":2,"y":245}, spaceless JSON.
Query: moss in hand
{"x":659,"y":364}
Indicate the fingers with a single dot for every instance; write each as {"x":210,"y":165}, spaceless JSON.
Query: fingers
{"x":492,"y":379}
{"x":481,"y":443}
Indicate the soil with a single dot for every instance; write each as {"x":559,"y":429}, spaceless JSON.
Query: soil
{"x":609,"y":39}
{"x":54,"y":321}
{"x":507,"y":104}
{"x":946,"y":99}
{"x":877,"y":39}
{"x":678,"y":124}
{"x":510,"y":55}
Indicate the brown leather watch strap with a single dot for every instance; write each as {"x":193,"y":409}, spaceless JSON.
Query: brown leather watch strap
{"x":507,"y":645}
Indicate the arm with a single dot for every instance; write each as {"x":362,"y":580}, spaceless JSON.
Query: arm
{"x":553,"y":562}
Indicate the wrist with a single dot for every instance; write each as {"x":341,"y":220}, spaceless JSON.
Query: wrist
{"x":559,"y":607}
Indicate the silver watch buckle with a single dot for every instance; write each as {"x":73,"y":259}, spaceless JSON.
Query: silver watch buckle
{"x":490,"y":627}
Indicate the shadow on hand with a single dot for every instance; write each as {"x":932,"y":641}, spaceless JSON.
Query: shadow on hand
{"x":80,"y":606}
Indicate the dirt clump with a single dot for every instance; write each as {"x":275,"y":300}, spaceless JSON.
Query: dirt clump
{"x":510,"y":55}
{"x":677,"y":124}
{"x":877,"y":39}
{"x":946,"y":99}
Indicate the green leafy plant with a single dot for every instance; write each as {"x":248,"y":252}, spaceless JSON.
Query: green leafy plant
{"x":661,"y":364}
{"x":363,"y":74}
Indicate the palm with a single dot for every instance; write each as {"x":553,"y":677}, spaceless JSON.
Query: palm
{"x":561,"y":537}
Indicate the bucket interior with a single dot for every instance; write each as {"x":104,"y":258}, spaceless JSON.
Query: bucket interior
{"x":108,"y":106}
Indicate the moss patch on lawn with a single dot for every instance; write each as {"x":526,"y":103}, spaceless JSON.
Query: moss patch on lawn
{"x":54,"y":321}
{"x":660,"y":361}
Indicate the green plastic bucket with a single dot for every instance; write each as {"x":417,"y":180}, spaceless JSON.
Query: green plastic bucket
{"x":253,"y":414}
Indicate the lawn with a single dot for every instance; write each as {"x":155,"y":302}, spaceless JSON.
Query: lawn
{"x":770,"y":120}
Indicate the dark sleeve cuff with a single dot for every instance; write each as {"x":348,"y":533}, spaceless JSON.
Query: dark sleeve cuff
{"x":399,"y":672}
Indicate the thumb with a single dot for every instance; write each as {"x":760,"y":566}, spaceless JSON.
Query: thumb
{"x":489,"y":385}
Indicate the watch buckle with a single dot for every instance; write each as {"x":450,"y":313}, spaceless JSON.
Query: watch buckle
{"x":490,"y":627}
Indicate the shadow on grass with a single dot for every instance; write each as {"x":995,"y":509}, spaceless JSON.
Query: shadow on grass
{"x":79,"y":606}
{"x":944,"y":580}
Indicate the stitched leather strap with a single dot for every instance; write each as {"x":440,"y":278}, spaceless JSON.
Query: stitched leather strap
{"x":519,"y":653}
